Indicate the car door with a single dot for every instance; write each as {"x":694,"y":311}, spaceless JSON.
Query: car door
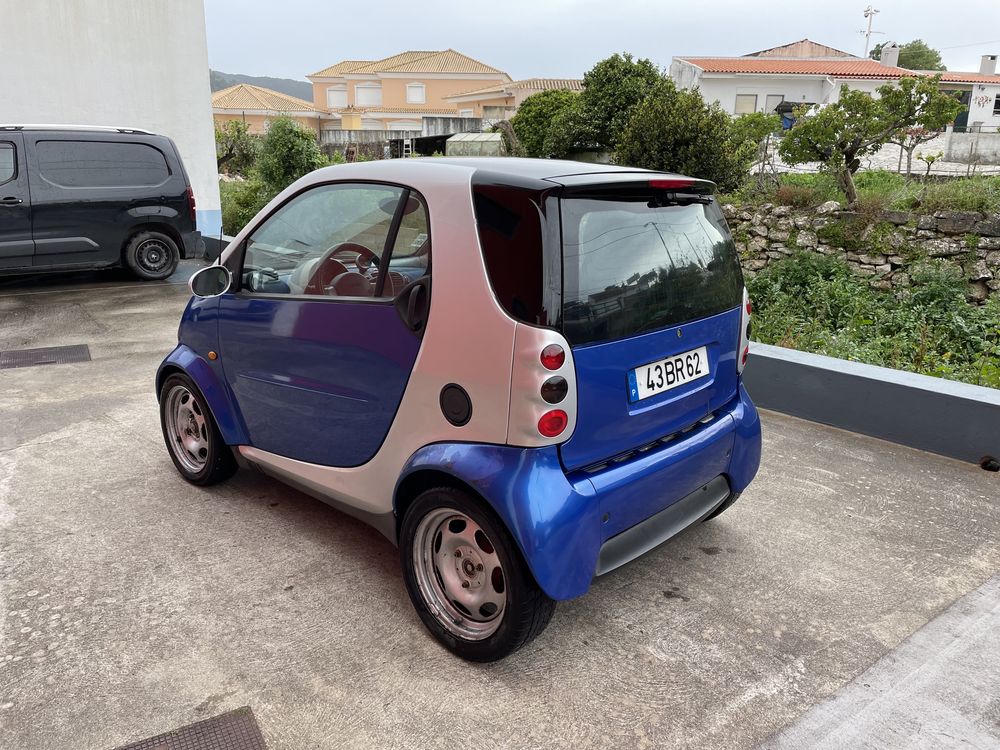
{"x":16,"y":245}
{"x":311,"y":341}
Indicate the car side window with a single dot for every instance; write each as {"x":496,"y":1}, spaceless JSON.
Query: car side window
{"x":411,"y":252}
{"x":330,"y":241}
{"x":8,"y":162}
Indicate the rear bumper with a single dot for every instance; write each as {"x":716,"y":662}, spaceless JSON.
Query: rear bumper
{"x":572,"y":527}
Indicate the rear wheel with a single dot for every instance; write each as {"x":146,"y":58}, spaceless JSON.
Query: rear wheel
{"x":467,"y":579}
{"x":192,"y":437}
{"x":152,"y":256}
{"x":724,"y":507}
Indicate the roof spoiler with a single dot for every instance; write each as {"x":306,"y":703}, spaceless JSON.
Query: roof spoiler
{"x":638,"y":181}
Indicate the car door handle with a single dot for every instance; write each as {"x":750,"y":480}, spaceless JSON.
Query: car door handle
{"x":10,"y":201}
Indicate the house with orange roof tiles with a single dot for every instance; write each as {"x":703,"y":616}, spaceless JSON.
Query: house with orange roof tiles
{"x":256,"y":105}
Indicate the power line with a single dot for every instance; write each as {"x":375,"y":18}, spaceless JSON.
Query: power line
{"x":974,"y":44}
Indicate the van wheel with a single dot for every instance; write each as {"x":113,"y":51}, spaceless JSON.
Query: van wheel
{"x":193,"y":440}
{"x":152,"y":256}
{"x":467,"y":579}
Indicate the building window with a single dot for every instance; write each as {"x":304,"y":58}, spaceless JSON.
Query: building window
{"x":336,"y":97}
{"x":415,"y":93}
{"x":996,"y":105}
{"x":772,"y":102}
{"x":465,"y":113}
{"x":368,"y":95}
{"x":746,"y":103}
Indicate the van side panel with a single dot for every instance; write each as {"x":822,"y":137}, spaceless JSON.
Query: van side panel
{"x":91,"y":191}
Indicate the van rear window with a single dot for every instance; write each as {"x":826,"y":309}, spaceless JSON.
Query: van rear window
{"x":632,"y":265}
{"x":90,"y":164}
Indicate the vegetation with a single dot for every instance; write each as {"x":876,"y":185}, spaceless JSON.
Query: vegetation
{"x":287,"y":151}
{"x":816,"y":303}
{"x":839,"y":135}
{"x":236,"y":149}
{"x":534,"y":118}
{"x":674,"y":130}
{"x":915,"y":55}
{"x":612,"y":89}
{"x":882,"y":190}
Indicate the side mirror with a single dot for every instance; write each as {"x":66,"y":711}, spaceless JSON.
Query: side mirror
{"x":210,"y":281}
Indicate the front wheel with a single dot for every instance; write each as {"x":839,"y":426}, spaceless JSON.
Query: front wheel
{"x":467,"y":579}
{"x":193,"y":440}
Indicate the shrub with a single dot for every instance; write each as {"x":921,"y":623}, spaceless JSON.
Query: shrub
{"x":816,"y":303}
{"x":535,"y":116}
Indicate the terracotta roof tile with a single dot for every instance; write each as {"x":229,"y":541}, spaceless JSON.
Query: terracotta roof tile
{"x":533,"y":84}
{"x":956,"y":76}
{"x":413,"y":61}
{"x":770,"y":66}
{"x":247,"y":96}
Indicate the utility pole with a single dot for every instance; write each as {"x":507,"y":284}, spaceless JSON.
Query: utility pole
{"x":870,"y":13}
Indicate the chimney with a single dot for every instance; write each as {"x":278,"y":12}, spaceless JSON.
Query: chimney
{"x":889,"y":56}
{"x":988,"y":65}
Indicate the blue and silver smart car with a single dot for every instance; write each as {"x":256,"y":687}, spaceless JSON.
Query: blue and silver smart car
{"x":525,"y":373}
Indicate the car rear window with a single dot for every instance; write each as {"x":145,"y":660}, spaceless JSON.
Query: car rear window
{"x":635,"y":264}
{"x":89,"y":164}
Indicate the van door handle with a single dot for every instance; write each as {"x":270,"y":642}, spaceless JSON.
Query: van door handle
{"x":10,"y":201}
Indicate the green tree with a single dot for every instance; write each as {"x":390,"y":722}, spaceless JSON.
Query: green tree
{"x":572,"y":129}
{"x":611,"y":90}
{"x":287,"y":152}
{"x":235,"y":148}
{"x":915,"y":55}
{"x":677,"y":131}
{"x":840,"y":134}
{"x":929,"y":108}
{"x":535,"y":116}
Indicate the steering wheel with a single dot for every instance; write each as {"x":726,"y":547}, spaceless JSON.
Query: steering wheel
{"x":363,"y":258}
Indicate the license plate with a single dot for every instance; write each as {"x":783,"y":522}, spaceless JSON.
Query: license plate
{"x":657,"y":377}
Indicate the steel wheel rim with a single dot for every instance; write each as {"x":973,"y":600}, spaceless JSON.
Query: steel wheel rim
{"x":153,"y":255}
{"x":459,"y":574}
{"x":187,"y":429}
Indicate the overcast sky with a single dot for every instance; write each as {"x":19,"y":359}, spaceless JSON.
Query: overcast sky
{"x":564,"y":38}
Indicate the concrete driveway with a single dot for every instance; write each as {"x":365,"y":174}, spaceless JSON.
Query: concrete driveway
{"x":132,"y":603}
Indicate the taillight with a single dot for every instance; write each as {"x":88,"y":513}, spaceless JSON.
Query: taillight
{"x":190,"y":197}
{"x":671,"y":184}
{"x":552,"y":423}
{"x":743,"y":347}
{"x":554,"y":390}
{"x":553,"y":357}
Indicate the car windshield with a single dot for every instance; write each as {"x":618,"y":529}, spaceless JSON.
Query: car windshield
{"x":632,"y":265}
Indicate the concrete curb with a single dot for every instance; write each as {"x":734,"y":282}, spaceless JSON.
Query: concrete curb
{"x":941,"y":416}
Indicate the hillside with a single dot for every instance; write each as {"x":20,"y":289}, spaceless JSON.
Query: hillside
{"x":290,"y":86}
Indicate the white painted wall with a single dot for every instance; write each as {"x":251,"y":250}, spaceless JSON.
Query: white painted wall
{"x":142,"y":63}
{"x":981,"y":105}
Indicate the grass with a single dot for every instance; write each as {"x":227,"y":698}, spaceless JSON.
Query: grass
{"x":881,"y":190}
{"x":818,"y":304}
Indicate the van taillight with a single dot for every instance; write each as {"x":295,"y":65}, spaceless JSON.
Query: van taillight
{"x":552,"y":423}
{"x":190,"y":197}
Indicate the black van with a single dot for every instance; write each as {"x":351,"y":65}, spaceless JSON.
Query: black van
{"x":74,"y":197}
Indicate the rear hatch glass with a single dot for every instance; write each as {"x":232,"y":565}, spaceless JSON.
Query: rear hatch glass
{"x":651,"y":293}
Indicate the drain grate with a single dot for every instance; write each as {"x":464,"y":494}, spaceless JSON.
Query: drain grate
{"x":235,"y":730}
{"x":50,"y":355}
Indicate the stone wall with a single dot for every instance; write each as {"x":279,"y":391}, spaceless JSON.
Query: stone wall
{"x":885,"y":247}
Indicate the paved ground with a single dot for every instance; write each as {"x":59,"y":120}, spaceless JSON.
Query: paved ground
{"x":132,"y":603}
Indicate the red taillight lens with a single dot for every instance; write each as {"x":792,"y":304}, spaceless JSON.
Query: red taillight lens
{"x":553,"y":357}
{"x":671,"y":184}
{"x":749,"y":307}
{"x":190,"y":197}
{"x":552,"y":423}
{"x":746,"y":353}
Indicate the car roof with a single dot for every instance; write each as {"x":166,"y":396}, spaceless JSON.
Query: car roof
{"x":79,"y":128}
{"x":538,"y":169}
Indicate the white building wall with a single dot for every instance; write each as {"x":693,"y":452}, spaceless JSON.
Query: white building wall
{"x":798,"y":89}
{"x":981,"y":105}
{"x":140,"y":63}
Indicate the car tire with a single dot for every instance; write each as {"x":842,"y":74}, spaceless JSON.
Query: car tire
{"x":467,"y":578}
{"x":722,"y":508}
{"x":152,"y":256}
{"x":193,"y":439}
